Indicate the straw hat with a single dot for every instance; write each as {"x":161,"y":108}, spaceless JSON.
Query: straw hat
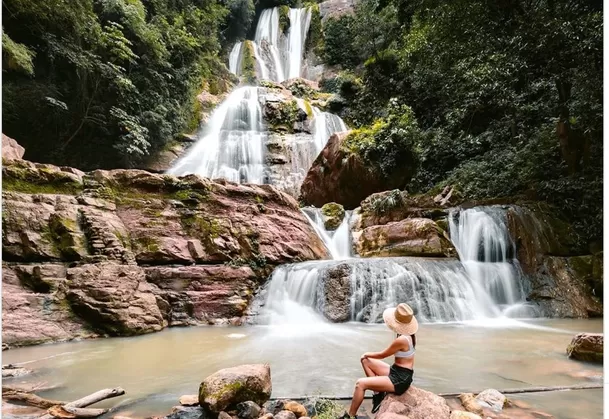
{"x":401,"y":319}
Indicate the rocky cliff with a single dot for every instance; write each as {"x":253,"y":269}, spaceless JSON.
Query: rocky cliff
{"x":126,"y":252}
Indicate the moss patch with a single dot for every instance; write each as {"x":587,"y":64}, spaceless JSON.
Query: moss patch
{"x":147,"y":243}
{"x":284,"y":18}
{"x":248,"y":63}
{"x":283,"y":116}
{"x":21,"y":177}
{"x":315,"y":37}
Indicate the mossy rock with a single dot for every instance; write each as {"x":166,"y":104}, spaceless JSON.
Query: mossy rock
{"x":284,"y":18}
{"x":248,"y":63}
{"x":333,"y":215}
{"x":27,"y":177}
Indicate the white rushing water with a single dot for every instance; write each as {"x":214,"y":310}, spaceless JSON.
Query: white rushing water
{"x":325,"y":124}
{"x":232,"y":146}
{"x":485,"y":284}
{"x":300,"y":20}
{"x":278,"y":56}
{"x":338,"y":242}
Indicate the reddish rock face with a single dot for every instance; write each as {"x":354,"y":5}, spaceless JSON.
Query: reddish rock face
{"x":222,"y":240}
{"x":11,"y":149}
{"x":341,"y":177}
{"x":409,"y":237}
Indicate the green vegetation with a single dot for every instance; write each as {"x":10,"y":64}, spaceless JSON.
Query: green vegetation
{"x":284,"y":18}
{"x":248,"y":63}
{"x":92,"y":83}
{"x":506,"y":97}
{"x":283,"y":117}
{"x":149,"y":244}
{"x":315,"y":36}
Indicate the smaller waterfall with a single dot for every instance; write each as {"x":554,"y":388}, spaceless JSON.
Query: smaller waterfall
{"x":267,"y":37}
{"x":337,"y":242}
{"x":325,"y":124}
{"x":234,"y":59}
{"x":300,"y":20}
{"x":233,"y":146}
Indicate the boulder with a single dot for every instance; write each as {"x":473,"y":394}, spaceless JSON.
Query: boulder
{"x":331,"y":177}
{"x":415,"y":403}
{"x":296,"y":408}
{"x":226,"y":388}
{"x":114,"y":299}
{"x":492,"y":399}
{"x":333,"y":215}
{"x":11,"y":150}
{"x":586,"y":347}
{"x":470,"y":403}
{"x":248,"y":410}
{"x":409,"y":237}
{"x":336,"y":305}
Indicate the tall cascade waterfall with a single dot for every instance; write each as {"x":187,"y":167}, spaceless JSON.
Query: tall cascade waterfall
{"x":485,"y":284}
{"x":278,"y":57}
{"x":232,"y":146}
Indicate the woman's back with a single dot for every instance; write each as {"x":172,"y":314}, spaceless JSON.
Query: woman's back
{"x":405,"y":356}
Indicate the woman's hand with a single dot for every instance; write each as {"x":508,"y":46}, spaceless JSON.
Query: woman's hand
{"x":366,"y":355}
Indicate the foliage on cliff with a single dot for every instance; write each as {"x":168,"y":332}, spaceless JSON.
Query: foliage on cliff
{"x":102,"y":83}
{"x":508,"y":93}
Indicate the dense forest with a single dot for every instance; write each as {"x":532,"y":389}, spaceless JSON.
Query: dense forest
{"x":498,"y":98}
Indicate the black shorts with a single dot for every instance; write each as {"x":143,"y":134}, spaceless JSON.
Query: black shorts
{"x":401,"y":378}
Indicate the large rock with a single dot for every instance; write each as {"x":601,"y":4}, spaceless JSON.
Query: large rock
{"x":115,"y":299}
{"x":333,"y":215}
{"x":336,"y":281}
{"x":11,"y":150}
{"x":415,"y":403}
{"x":340,"y":176}
{"x":492,"y":399}
{"x":409,"y":237}
{"x":221,"y":240}
{"x":587,"y":347}
{"x":226,"y":388}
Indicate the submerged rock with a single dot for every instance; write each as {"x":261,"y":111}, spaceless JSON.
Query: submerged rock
{"x":415,"y":403}
{"x":248,"y":410}
{"x":186,"y":412}
{"x":226,"y":388}
{"x":587,"y":347}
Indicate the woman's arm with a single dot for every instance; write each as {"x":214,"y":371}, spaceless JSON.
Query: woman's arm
{"x":391,"y":349}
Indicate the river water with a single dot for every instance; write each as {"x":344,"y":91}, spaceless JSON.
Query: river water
{"x":320,"y":359}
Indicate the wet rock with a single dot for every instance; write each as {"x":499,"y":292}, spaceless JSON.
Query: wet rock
{"x":560,"y":293}
{"x":460,"y":414}
{"x":189,"y":400}
{"x":409,"y":237}
{"x":330,"y":178}
{"x":470,"y":403}
{"x":296,"y":408}
{"x":285,"y":414}
{"x":186,"y":412}
{"x":586,"y":347}
{"x":336,"y":305}
{"x":11,"y":150}
{"x":274,"y":406}
{"x":333,"y":214}
{"x":248,"y":410}
{"x":267,"y":416}
{"x":230,"y":386}
{"x":115,"y":299}
{"x":492,"y":399}
{"x":10,"y":371}
{"x":415,"y":403}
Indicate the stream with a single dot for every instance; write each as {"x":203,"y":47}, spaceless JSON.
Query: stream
{"x":321,"y":359}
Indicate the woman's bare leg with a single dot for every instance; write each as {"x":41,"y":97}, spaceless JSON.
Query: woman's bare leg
{"x":368,"y":383}
{"x":374,"y":367}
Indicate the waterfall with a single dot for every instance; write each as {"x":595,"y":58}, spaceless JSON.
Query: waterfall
{"x":234,"y":59}
{"x":337,"y":242}
{"x":267,"y":37}
{"x":300,"y":20}
{"x":485,"y":284}
{"x":232,"y":148}
{"x":325,"y":124}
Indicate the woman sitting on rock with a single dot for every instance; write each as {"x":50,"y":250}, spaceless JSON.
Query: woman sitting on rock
{"x":380,"y":377}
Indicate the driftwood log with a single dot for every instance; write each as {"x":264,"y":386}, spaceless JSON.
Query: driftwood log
{"x":17,"y":395}
{"x":75,"y":409}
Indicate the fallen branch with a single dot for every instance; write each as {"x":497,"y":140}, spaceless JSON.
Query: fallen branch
{"x":17,"y":395}
{"x":533,"y":389}
{"x":70,"y":408}
{"x":505,"y":391}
